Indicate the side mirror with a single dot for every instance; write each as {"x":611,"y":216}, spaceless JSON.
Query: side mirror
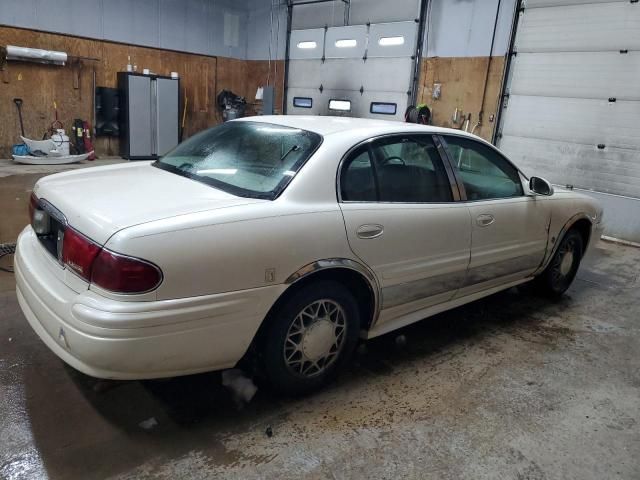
{"x":540,"y":186}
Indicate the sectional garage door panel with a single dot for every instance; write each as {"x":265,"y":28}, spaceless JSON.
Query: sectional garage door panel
{"x":384,"y":39}
{"x":572,"y":110}
{"x":562,"y":3}
{"x":361,"y":64}
{"x":305,"y":73}
{"x":577,"y":74}
{"x":360,"y":104}
{"x":304,"y":93}
{"x":577,"y":120}
{"x":384,"y":75}
{"x":306,"y":44}
{"x":611,"y":170}
{"x":592,"y":27}
{"x":346,"y":42}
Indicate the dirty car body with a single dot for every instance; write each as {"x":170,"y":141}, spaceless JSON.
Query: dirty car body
{"x":184,"y":265}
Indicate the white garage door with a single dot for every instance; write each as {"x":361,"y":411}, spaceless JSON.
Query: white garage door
{"x":572,"y":113}
{"x":358,"y":70}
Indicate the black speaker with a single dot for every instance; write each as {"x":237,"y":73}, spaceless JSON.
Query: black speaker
{"x":107,"y":109}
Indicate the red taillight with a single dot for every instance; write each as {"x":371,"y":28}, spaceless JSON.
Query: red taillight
{"x":33,"y":205}
{"x":111,"y":271}
{"x":78,"y":253}
{"x":121,"y":274}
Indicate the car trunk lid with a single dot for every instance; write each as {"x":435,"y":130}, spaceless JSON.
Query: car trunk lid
{"x":100,"y":201}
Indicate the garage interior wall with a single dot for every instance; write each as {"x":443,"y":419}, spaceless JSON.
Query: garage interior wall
{"x":212,"y":44}
{"x":457,"y":47}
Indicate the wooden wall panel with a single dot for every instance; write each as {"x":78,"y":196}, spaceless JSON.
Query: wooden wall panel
{"x":462,"y":80}
{"x":258,"y":75}
{"x":231,"y":75}
{"x":201,"y":78}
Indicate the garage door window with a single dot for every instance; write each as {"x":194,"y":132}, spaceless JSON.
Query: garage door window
{"x":307,"y":45}
{"x":347,"y":43}
{"x":302,"y":102}
{"x":383,"y":108}
{"x":484,"y":172}
{"x":396,"y":170}
{"x":340,"y":105}
{"x":391,"y":41}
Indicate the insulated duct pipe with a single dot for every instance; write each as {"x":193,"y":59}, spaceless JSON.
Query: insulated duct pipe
{"x":35,"y":55}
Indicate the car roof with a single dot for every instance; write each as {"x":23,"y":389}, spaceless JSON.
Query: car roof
{"x":328,"y":125}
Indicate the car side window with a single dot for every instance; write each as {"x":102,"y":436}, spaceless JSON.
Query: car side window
{"x":484,"y":172}
{"x":409,"y":170}
{"x":357,"y":182}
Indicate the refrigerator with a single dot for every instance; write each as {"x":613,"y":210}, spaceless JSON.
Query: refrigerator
{"x":149,"y":115}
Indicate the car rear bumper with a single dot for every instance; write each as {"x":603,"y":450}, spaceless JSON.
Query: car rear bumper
{"x":131,"y":340}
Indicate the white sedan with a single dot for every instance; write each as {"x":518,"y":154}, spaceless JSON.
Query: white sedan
{"x":280,"y":242}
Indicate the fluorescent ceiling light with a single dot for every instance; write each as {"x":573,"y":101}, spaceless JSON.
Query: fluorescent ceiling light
{"x":346,"y":43}
{"x":307,"y":45}
{"x":342,"y":105}
{"x":391,"y":41}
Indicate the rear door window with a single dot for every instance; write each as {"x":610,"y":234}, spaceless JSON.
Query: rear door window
{"x":409,"y":170}
{"x":399,"y":169}
{"x":357,"y":179}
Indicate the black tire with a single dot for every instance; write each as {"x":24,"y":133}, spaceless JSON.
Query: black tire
{"x":283,"y":376}
{"x":558,"y":276}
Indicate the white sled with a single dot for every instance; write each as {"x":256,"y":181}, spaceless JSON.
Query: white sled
{"x":30,"y":160}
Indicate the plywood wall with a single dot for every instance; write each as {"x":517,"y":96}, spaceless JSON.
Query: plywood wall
{"x":462,"y":81}
{"x":263,"y":72}
{"x":201,"y":77}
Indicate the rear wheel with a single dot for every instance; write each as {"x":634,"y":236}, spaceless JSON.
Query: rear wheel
{"x":559,"y":274}
{"x":310,"y":337}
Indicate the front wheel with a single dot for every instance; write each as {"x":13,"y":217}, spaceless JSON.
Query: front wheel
{"x":557,"y":277}
{"x":310,"y":337}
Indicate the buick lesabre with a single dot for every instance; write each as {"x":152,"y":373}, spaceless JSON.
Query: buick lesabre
{"x":284,"y":240}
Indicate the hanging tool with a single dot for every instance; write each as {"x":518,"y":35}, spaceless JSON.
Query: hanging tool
{"x":56,"y":123}
{"x":19,"y":148}
{"x":184,"y":115}
{"x":18,"y":102}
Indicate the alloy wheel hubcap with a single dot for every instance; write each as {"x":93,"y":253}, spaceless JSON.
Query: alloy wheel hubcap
{"x":566,"y":263}
{"x":315,"y":338}
{"x":563,"y":263}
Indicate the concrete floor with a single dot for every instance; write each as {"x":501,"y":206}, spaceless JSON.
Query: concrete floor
{"x":509,"y":387}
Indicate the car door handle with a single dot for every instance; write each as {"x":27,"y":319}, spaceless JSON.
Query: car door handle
{"x":369,"y":231}
{"x":485,"y":220}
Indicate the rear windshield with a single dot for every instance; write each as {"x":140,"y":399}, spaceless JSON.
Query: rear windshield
{"x":248,"y":159}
